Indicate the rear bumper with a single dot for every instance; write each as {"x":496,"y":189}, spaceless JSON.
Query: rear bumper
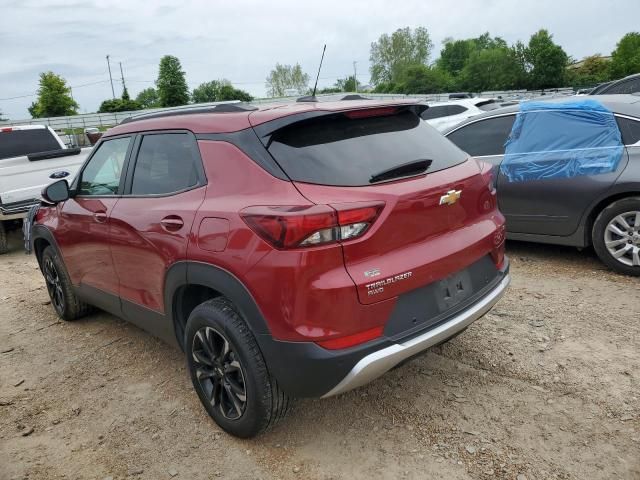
{"x":304,"y":369}
{"x":377,"y":363}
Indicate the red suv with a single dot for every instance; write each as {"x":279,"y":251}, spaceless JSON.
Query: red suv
{"x":291,"y":250}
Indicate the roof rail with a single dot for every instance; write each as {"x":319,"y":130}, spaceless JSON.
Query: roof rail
{"x":220,"y":108}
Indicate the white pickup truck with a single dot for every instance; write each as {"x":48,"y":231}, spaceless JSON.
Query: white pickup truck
{"x":31,"y":157}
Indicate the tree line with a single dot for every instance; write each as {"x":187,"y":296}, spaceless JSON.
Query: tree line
{"x":400,"y":62}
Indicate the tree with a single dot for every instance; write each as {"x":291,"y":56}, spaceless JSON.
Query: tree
{"x":625,"y":59}
{"x":346,"y":84}
{"x":218,"y":91}
{"x":391,"y":54}
{"x":454,"y":55}
{"x":124,"y":104}
{"x":54,"y":98}
{"x":591,"y":71}
{"x":494,"y":68}
{"x":547,"y":61}
{"x":1,"y":119}
{"x":148,"y":98}
{"x":422,"y":79}
{"x":171,"y":83}
{"x":284,"y":77}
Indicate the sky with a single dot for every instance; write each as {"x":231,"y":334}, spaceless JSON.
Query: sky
{"x":242,"y":40}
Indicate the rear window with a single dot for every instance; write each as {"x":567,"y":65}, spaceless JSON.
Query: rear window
{"x":24,"y":142}
{"x":342,"y":151}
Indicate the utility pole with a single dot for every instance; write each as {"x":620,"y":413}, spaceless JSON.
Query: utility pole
{"x":124,"y":87}
{"x":355,"y":75}
{"x":113,"y":92}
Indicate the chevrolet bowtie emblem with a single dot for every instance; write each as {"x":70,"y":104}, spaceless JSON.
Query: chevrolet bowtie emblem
{"x":451,"y":197}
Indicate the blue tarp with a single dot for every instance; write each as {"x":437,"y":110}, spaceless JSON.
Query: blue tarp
{"x":562,"y":140}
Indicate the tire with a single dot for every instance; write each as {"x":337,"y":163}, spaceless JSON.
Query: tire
{"x":64,"y":300}
{"x":222,"y":381}
{"x":4,"y":242}
{"x":616,"y":236}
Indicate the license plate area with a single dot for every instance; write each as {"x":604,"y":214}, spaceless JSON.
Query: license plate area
{"x":431,"y":304}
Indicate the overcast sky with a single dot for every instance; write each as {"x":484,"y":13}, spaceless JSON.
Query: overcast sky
{"x":241,"y":40}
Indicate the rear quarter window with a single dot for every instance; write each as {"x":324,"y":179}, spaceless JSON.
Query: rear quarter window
{"x":24,"y":142}
{"x":630,"y":130}
{"x":341,"y":151}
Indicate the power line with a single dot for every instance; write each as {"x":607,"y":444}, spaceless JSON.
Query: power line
{"x":71,"y":86}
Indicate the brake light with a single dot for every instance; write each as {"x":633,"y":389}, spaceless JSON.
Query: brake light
{"x":352,"y":340}
{"x":287,"y":227}
{"x":371,"y":112}
{"x":6,"y":129}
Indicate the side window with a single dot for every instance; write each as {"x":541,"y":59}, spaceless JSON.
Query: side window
{"x":456,"y":109}
{"x":486,"y":137}
{"x":102,"y":174}
{"x":630,"y":130}
{"x":435,"y":112}
{"x":166,"y":163}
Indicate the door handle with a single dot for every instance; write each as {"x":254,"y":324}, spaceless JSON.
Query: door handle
{"x":172,"y":223}
{"x":100,"y":216}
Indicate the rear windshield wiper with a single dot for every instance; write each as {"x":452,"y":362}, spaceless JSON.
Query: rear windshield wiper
{"x":409,"y":169}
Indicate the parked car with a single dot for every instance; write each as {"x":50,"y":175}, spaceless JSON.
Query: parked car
{"x":30,"y":157}
{"x":442,"y":115}
{"x":291,"y":251}
{"x":602,"y":210}
{"x":630,"y":84}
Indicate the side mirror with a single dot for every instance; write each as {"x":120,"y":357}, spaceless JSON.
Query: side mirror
{"x":56,"y":192}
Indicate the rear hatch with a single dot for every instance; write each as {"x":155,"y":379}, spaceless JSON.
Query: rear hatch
{"x":434,"y":222}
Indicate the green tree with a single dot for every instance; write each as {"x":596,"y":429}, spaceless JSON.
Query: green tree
{"x":391,"y":54}
{"x":218,"y":91}
{"x":54,"y":98}
{"x":423,"y":79}
{"x":123,"y":104}
{"x":495,"y":68}
{"x":148,"y":98}
{"x":346,"y":84}
{"x":171,"y":83}
{"x":228,"y":92}
{"x":454,"y":55}
{"x":284,"y":77}
{"x":591,"y":71}
{"x":330,"y":90}
{"x":547,"y":61}
{"x":625,"y":59}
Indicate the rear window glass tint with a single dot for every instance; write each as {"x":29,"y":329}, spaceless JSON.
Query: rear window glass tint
{"x":486,"y":137}
{"x":342,"y":151}
{"x":440,"y":111}
{"x":24,"y":142}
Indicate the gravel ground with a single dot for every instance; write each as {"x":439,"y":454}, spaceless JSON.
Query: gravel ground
{"x":545,"y":386}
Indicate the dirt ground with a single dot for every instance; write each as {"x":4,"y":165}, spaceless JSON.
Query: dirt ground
{"x":545,"y":386}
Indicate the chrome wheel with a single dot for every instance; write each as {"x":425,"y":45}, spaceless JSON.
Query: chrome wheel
{"x":219,"y":373}
{"x":54,"y":285}
{"x":622,"y":238}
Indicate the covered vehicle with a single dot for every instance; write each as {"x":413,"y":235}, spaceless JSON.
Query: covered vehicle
{"x":571,"y":173}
